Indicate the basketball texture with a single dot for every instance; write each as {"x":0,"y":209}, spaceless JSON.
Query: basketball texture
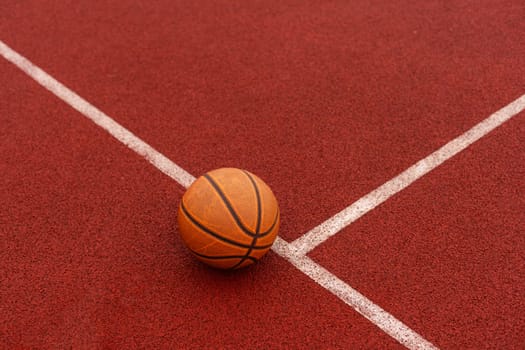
{"x":228,"y":218}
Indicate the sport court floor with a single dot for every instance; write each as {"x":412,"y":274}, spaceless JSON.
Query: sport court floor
{"x":392,"y":134}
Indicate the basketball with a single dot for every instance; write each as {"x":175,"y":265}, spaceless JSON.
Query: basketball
{"x":228,"y":218}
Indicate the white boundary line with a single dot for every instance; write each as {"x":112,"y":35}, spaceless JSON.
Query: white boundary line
{"x":382,"y":319}
{"x":311,"y":239}
{"x":98,"y":117}
{"x":294,"y":252}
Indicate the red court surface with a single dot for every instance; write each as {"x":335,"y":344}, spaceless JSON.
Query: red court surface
{"x":325,"y":101}
{"x":447,"y":254}
{"x":91,"y":258}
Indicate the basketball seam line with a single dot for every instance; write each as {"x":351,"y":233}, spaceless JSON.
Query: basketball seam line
{"x":232,"y":211}
{"x":229,"y":206}
{"x":221,"y":256}
{"x":216,"y":235}
{"x":258,"y":225}
{"x":259,"y":203}
{"x":266,"y":233}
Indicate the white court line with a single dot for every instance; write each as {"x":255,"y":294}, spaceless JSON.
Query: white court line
{"x":382,"y":319}
{"x":98,"y":117}
{"x":307,"y":242}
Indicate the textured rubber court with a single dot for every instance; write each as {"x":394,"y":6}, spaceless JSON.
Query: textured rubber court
{"x":391,"y":132}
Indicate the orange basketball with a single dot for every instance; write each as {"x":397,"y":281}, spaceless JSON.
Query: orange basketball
{"x":228,"y":218}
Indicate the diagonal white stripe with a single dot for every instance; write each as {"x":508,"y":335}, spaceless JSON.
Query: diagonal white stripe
{"x":295,"y":252}
{"x":382,"y":319}
{"x":98,"y":117}
{"x":339,"y":221}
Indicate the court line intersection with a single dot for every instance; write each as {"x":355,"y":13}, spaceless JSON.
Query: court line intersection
{"x":294,"y":252}
{"x":316,"y":236}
